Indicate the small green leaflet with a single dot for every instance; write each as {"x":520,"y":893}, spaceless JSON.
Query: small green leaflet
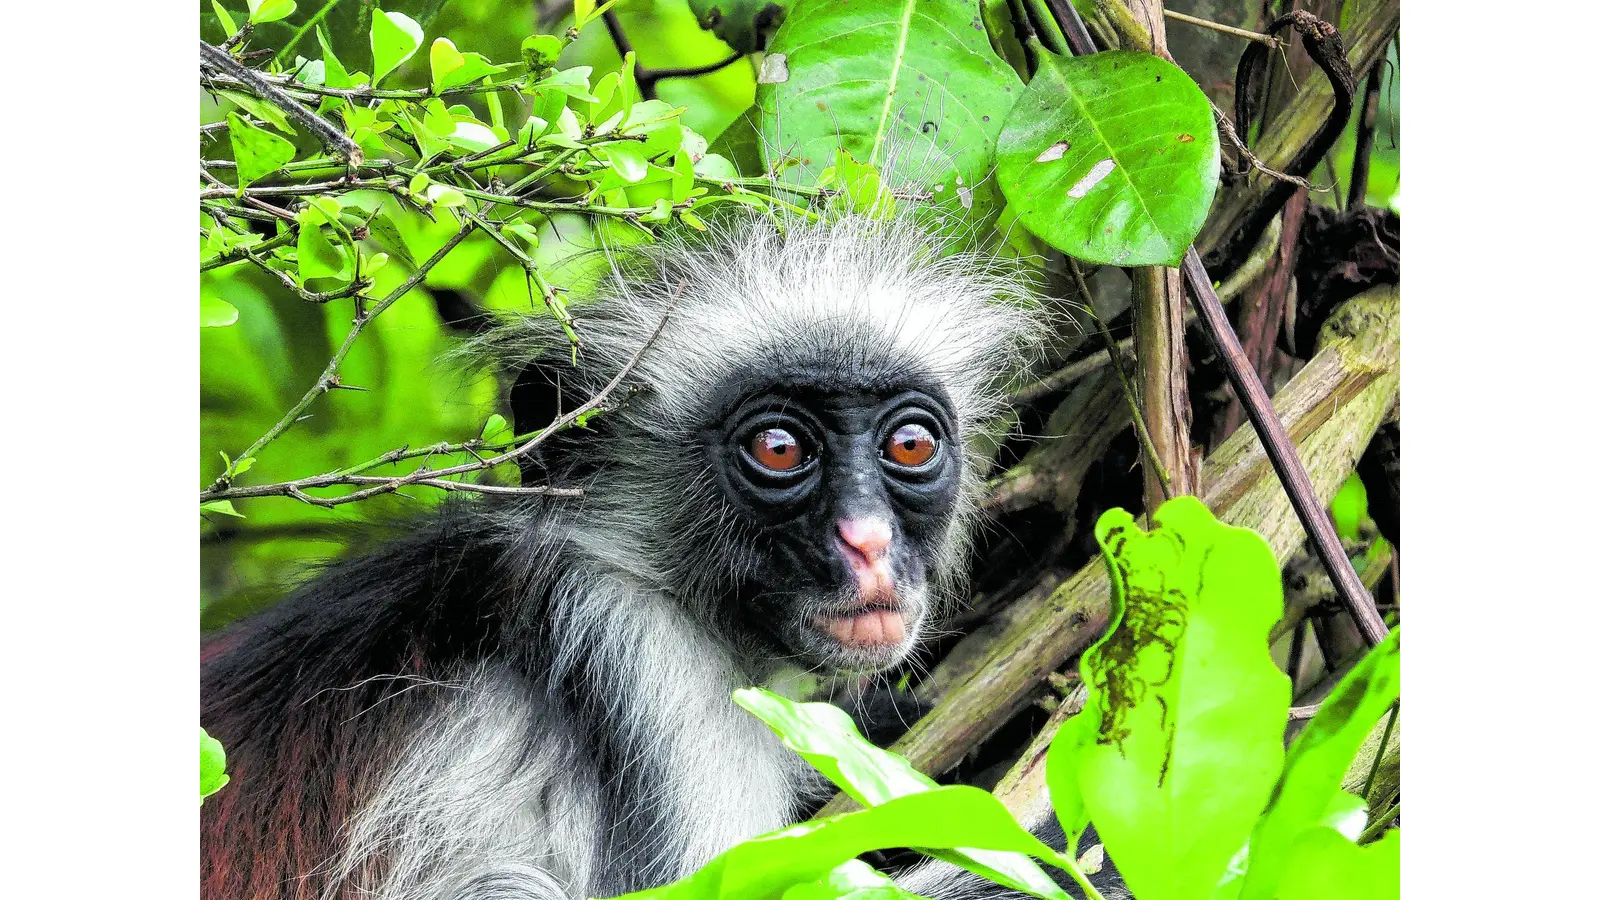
{"x":264,"y":11}
{"x":216,"y":312}
{"x":256,"y":151}
{"x":213,"y":761}
{"x":451,"y":68}
{"x":395,"y":37}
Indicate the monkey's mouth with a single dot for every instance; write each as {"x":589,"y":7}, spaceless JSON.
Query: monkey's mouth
{"x":875,"y":625}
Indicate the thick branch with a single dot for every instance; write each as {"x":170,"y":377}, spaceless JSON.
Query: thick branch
{"x":1332,"y":406}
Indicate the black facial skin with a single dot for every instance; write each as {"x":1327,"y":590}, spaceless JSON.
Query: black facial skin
{"x":801,"y":571}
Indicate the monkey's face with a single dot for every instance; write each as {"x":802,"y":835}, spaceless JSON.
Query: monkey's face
{"x":848,"y":491}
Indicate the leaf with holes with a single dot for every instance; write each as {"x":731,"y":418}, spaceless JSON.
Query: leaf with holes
{"x":1182,"y":736}
{"x":1112,"y":158}
{"x":911,"y":87}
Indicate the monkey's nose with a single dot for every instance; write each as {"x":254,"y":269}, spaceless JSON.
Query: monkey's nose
{"x":868,"y":536}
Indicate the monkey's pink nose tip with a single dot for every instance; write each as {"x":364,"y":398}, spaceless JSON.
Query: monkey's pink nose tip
{"x":869,"y":536}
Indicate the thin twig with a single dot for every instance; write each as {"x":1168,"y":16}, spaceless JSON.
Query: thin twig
{"x":646,"y":77}
{"x":1379,"y":825}
{"x":1383,"y":744}
{"x":1366,"y":128}
{"x":331,"y":137}
{"x":437,"y":477}
{"x":1256,"y":36}
{"x":1153,"y":460}
{"x":329,"y":379}
{"x":1280,"y":450}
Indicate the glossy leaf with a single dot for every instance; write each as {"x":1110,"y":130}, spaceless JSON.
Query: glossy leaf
{"x":216,"y":312}
{"x":264,"y":11}
{"x":261,"y":109}
{"x":213,"y":762}
{"x":1325,"y":865}
{"x":256,"y":151}
{"x":452,"y":68}
{"x":826,"y":737}
{"x":1318,"y":760}
{"x":395,"y":37}
{"x":769,"y":865}
{"x":1349,"y":507}
{"x":319,"y":257}
{"x":1112,"y":158}
{"x":911,"y":87}
{"x":850,"y":880}
{"x":228,"y":26}
{"x":1186,"y":707}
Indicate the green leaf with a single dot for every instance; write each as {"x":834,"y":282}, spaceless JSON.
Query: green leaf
{"x":444,"y":195}
{"x":851,"y":880}
{"x":1185,"y":703}
{"x":573,"y":82}
{"x":256,"y":151}
{"x":228,"y":27}
{"x":1325,"y":865}
{"x":825,"y":736}
{"x":494,"y":429}
{"x":395,"y":37}
{"x":1317,"y":762}
{"x":383,"y":230}
{"x":318,"y":256}
{"x":334,"y":73}
{"x":224,"y":507}
{"x":264,"y":11}
{"x":942,"y":817}
{"x":910,"y":87}
{"x":629,"y":161}
{"x":1349,"y":507}
{"x":473,"y":137}
{"x":216,"y":312}
{"x":451,"y":68}
{"x":213,"y":762}
{"x":541,"y":51}
{"x":262,"y":110}
{"x":1112,"y":158}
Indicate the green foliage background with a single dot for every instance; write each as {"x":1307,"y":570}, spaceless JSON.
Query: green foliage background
{"x":255,"y":369}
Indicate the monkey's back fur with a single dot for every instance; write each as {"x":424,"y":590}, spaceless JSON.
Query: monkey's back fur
{"x":529,"y":696}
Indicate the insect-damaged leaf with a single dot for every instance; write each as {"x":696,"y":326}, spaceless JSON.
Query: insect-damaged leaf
{"x":1112,"y":158}
{"x":1183,"y":731}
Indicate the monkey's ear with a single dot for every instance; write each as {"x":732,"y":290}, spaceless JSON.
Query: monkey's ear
{"x":536,"y":400}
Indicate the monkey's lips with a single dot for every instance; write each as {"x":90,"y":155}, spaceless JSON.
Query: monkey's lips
{"x":870,"y":626}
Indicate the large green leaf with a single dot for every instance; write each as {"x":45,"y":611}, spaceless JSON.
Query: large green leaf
{"x":767,"y":866}
{"x":911,"y":87}
{"x":1186,"y":707}
{"x":826,"y":737}
{"x":851,"y":880}
{"x":1317,"y":763}
{"x":1112,"y":158}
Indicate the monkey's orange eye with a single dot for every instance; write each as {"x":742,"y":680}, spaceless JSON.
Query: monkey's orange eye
{"x":911,"y":445}
{"x":777,"y":450}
